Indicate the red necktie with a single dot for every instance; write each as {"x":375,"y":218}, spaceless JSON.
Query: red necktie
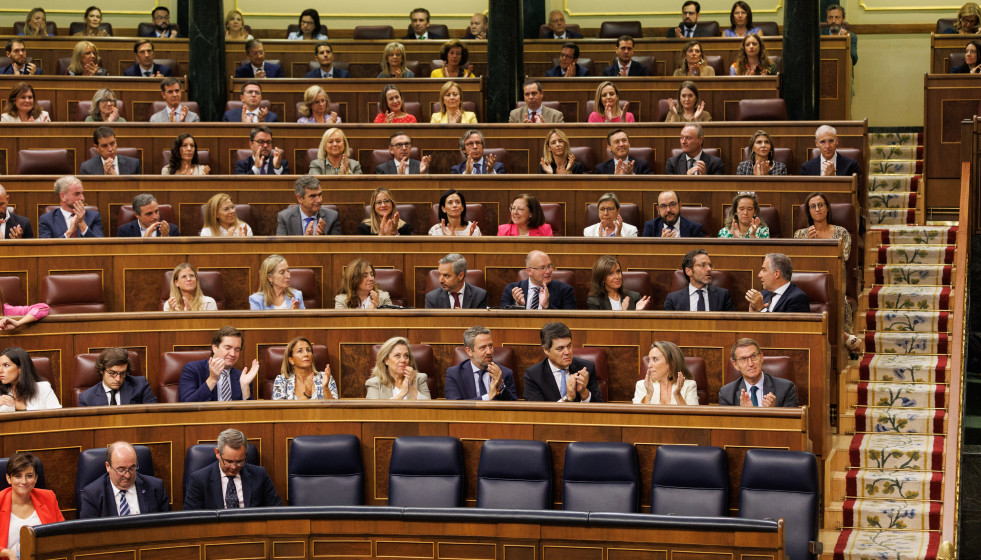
{"x":456,"y":300}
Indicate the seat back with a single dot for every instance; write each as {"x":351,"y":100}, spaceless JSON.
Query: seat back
{"x":777,"y":366}
{"x":761,"y":110}
{"x":770,"y":28}
{"x":74,"y":293}
{"x":475,"y":213}
{"x":379,"y":157}
{"x":305,"y":280}
{"x":326,"y":471}
{"x":771,"y":215}
{"x":232,"y":105}
{"x":192,"y":106}
{"x":944,"y":24}
{"x":272,"y":362}
{"x":720,"y":279}
{"x":373,"y":31}
{"x":591,"y":106}
{"x":690,"y":480}
{"x":426,"y":471}
{"x":474,"y":277}
{"x":701,"y":215}
{"x":435,"y":107}
{"x":126,"y":215}
{"x":51,"y":27}
{"x":648,"y":62}
{"x":500,"y":153}
{"x":585,"y":155}
{"x":425,"y":360}
{"x":85,"y":374}
{"x":503,"y":356}
{"x":392,"y":281}
{"x":817,"y":286}
{"x":79,"y":26}
{"x":211,"y":286}
{"x":413,"y":108}
{"x":715,"y":61}
{"x":629,"y":211}
{"x":663,"y":108}
{"x":201,"y":455}
{"x":39,"y":475}
{"x":56,"y":161}
{"x":954,"y":59}
{"x":613,"y":29}
{"x":638,"y":281}
{"x":84,"y":108}
{"x":335,"y":107}
{"x":438,"y":30}
{"x":407,"y":213}
{"x":169,"y":373}
{"x":712,"y":27}
{"x":243,"y":211}
{"x":853,"y":153}
{"x":783,"y":155}
{"x":147,"y":29}
{"x":555,"y":217}
{"x":696,"y":367}
{"x":42,"y":365}
{"x":92,"y":465}
{"x":598,"y":357}
{"x":544,"y":31}
{"x":601,"y":476}
{"x":204,"y":158}
{"x":13,"y":291}
{"x":514,"y":474}
{"x":586,"y":63}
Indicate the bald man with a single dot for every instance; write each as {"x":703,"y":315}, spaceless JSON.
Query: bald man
{"x":123,"y":490}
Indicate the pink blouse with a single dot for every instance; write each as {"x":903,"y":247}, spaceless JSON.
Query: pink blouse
{"x":597,"y":117}
{"x":39,"y":310}
{"x":543,"y":230}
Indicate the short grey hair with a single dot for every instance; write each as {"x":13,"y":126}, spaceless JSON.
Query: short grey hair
{"x":781,"y":263}
{"x":62,"y":184}
{"x":608,"y":196}
{"x":458,"y":261}
{"x":468,"y":134}
{"x":697,"y":127}
{"x":304,"y":184}
{"x":231,"y":438}
{"x":471,"y":334}
{"x":823,"y":129}
{"x":141,"y":200}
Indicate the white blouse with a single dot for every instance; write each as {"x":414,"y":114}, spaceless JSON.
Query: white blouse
{"x":13,"y":534}
{"x":44,"y":399}
{"x":206,"y":232}
{"x":208,"y":304}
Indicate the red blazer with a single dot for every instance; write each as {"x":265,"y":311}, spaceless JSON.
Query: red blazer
{"x":45,"y":504}
{"x":509,"y":229}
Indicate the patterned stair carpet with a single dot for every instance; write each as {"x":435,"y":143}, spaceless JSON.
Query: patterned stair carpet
{"x":891,"y":509}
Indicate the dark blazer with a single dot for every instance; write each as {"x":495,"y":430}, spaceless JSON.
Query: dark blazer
{"x":635,"y":69}
{"x":578,"y":168}
{"x":603,"y":303}
{"x":678,"y":165}
{"x":235,"y":115}
{"x":132,"y":229}
{"x":783,"y":389}
{"x":609,"y":167}
{"x":127,"y":166}
{"x":98,"y":499}
{"x":192,"y":387}
{"x":52,"y":225}
{"x":338,"y":73}
{"x":540,"y":383}
{"x":557,"y":72}
{"x":845,"y":168}
{"x":473,"y":298}
{"x":136,"y":71}
{"x":652,"y":228}
{"x":9,"y":69}
{"x":794,"y":300}
{"x":718,"y":299}
{"x":244,"y":167}
{"x":569,"y":34}
{"x":389,"y":167}
{"x":560,"y":295}
{"x":272,"y":70}
{"x":13,"y":220}
{"x":700,"y":31}
{"x":459,"y":384}
{"x":204,"y":488}
{"x":135,"y":390}
{"x":462,"y":166}
{"x":289,"y":222}
{"x":412,"y":35}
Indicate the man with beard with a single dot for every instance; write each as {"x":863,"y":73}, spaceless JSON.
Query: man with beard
{"x":700,"y":294}
{"x":670,"y":223}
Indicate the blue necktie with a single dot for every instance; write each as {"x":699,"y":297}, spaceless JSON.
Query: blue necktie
{"x":481,"y":387}
{"x":306,"y":224}
{"x":701,"y":300}
{"x":562,"y":385}
{"x":123,"y":504}
{"x":231,"y":495}
{"x":752,"y":395}
{"x":225,"y":386}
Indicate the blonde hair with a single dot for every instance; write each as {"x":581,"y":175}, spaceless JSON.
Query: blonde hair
{"x":391,"y":48}
{"x":444,"y":90}
{"x":380,"y":371}
{"x":322,"y":151}
{"x":211,"y":213}
{"x":375,"y":219}
{"x":971,"y":9}
{"x":75,"y":67}
{"x":29,"y":31}
{"x":265,"y":285}
{"x":197,"y":301}
{"x":101,"y":93}
{"x":230,"y":15}
{"x":598,"y":100}
{"x":309,"y":96}
{"x":548,"y":137}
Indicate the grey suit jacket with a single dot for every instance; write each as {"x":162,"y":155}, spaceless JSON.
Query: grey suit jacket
{"x":473,"y":298}
{"x":375,"y":390}
{"x":289,"y":222}
{"x":549,"y":115}
{"x":161,"y":116}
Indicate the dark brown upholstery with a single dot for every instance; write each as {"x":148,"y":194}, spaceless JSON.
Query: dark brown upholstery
{"x":943,"y":24}
{"x":57,"y":161}
{"x":632,"y":109}
{"x":243,"y":211}
{"x":126,"y":214}
{"x":777,"y":61}
{"x":555,"y":217}
{"x":158,"y":106}
{"x":413,"y":66}
{"x":379,"y":157}
{"x":407,"y":213}
{"x":171,"y":365}
{"x":437,"y":29}
{"x":413,"y":108}
{"x":771,"y":216}
{"x":474,"y":277}
{"x":768,"y":28}
{"x":598,"y":357}
{"x":783,"y":155}
{"x":13,"y":291}
{"x":585,"y":155}
{"x":232,"y":105}
{"x":204,"y":158}
{"x":701,"y":215}
{"x":711,"y":26}
{"x":373,"y":31}
{"x":761,"y":110}
{"x":853,"y":153}
{"x":74,"y":293}
{"x":45,"y":105}
{"x":629,"y":211}
{"x":305,"y":280}
{"x":648,"y":62}
{"x":646,"y":154}
{"x":84,"y":107}
{"x":311,"y":156}
{"x":503,"y":356}
{"x":51,"y":27}
{"x":392,"y":281}
{"x":777,"y":366}
{"x":85,"y":374}
{"x":696,"y":367}
{"x":475,"y":213}
{"x":272,"y":362}
{"x":663,"y":108}
{"x":817,"y":286}
{"x":425,"y":360}
{"x":561,"y":275}
{"x":720,"y":279}
{"x":209,"y":280}
{"x":63,"y":63}
{"x":147,"y":29}
{"x":638,"y":281}
{"x":42,"y":365}
{"x":79,"y":26}
{"x":545,"y":32}
{"x":715,"y":61}
{"x":586,"y":63}
{"x":955,"y":59}
{"x":334,"y":108}
{"x":613,"y":29}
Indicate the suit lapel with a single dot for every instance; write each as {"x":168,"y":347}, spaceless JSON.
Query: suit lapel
{"x":549,"y":386}
{"x":140,"y":488}
{"x":100,"y":395}
{"x":216,"y":496}
{"x":246,"y":486}
{"x":466,"y":377}
{"x":109,"y":495}
{"x":467,"y":296}
{"x":126,"y":391}
{"x":768,"y":387}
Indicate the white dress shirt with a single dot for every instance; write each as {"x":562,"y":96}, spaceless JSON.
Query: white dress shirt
{"x":476,"y":384}
{"x":557,"y":374}
{"x":82,"y":226}
{"x":131,"y":499}
{"x":693,"y":298}
{"x":115,"y":163}
{"x":531,"y":289}
{"x":449,"y":295}
{"x":777,"y":294}
{"x":108,"y":390}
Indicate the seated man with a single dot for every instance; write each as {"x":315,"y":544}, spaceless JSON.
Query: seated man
{"x":215,"y":378}
{"x":118,"y":386}
{"x":830,"y":163}
{"x":107,"y":162}
{"x":122,"y":490}
{"x":145,"y":66}
{"x":557,"y":28}
{"x":690,"y":11}
{"x":693,"y":160}
{"x":170,"y":91}
{"x":147,"y":222}
{"x":161,"y":24}
{"x":534,"y":111}
{"x":622,"y":163}
{"x":755,"y":387}
{"x":624,"y":65}
{"x":325,"y":57}
{"x":252,"y":109}
{"x":561,"y":377}
{"x":230,"y":482}
{"x":419,"y":26}
{"x":12,"y":226}
{"x":700,"y":294}
{"x":670,"y":222}
{"x":479,"y":378}
{"x":568,"y":66}
{"x":16,"y":51}
{"x":478,"y":26}
{"x":779,"y":293}
{"x":70,"y":219}
{"x":835,"y":17}
{"x":257,"y":67}
{"x":265,"y":159}
{"x":545,"y":292}
{"x":454,"y":292}
{"x":308,"y":216}
{"x":472,"y":144}
{"x":400,"y":145}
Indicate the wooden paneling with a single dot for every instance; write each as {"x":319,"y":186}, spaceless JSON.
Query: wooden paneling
{"x":948,"y":100}
{"x":942,"y":46}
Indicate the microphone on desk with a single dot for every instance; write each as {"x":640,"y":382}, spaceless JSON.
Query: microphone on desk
{"x":508,"y":307}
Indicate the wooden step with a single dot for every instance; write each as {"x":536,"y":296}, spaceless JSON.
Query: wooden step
{"x":846,"y":423}
{"x":850,"y":394}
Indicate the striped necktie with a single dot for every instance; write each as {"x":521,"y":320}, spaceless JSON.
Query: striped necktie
{"x":123,"y":504}
{"x":225,"y":384}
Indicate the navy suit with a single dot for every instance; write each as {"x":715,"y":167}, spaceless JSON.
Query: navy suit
{"x":699,"y":31}
{"x":635,"y":69}
{"x":794,"y":300}
{"x":678,"y":165}
{"x":459,"y":384}
{"x":244,"y":167}
{"x":557,"y":72}
{"x":846,"y":167}
{"x":560,"y":294}
{"x":688,"y":228}
{"x":272,"y":70}
{"x":192,"y":386}
{"x":717,"y":298}
{"x":389,"y":167}
{"x":13,"y":220}
{"x":127,"y":166}
{"x":134,"y":390}
{"x":540,"y":384}
{"x":53,"y":225}
{"x":569,"y":34}
{"x":98,"y":499}
{"x":204,"y":488}
{"x":609,"y":167}
{"x":783,"y":389}
{"x":473,"y":298}
{"x":132,"y":229}
{"x":338,"y":73}
{"x":235,"y":115}
{"x":9,"y":69}
{"x":461,"y":167}
{"x":136,"y":71}
{"x":430,"y":33}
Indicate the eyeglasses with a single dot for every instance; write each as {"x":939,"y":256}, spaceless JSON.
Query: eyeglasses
{"x":402,"y":145}
{"x":117,"y":374}
{"x":608,"y":210}
{"x":544,"y":267}
{"x":187,"y":276}
{"x":161,"y":18}
{"x":123,"y":472}
{"x":474,"y":144}
{"x":817,"y":206}
{"x":754,"y":357}
{"x":107,"y":100}
{"x":667,"y":205}
{"x":263,"y":142}
{"x":232,"y":463}
{"x":518,"y":209}
{"x":382,"y":202}
{"x":566,"y":56}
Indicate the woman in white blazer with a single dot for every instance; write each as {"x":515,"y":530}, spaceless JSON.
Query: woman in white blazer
{"x":667,"y":380}
{"x":20,"y":386}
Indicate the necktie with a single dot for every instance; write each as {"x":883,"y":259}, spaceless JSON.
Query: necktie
{"x":701,"y":300}
{"x":253,"y":117}
{"x":562,"y":385}
{"x":231,"y":495}
{"x":262,"y":170}
{"x":146,"y":73}
{"x":534,"y":297}
{"x":225,"y":386}
{"x":123,"y":504}
{"x":478,"y":169}
{"x":752,"y":395}
{"x":456,"y":300}
{"x":619,"y":167}
{"x":109,"y":168}
{"x":481,"y":388}
{"x":766,"y":301}
{"x":534,"y":117}
{"x":691,"y":163}
{"x":112,"y":398}
{"x":306,"y":224}
{"x":689,"y":32}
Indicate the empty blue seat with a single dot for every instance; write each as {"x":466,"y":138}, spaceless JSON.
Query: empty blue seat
{"x":690,"y":480}
{"x":601,"y":476}
{"x":201,"y":455}
{"x":326,"y":471}
{"x":514,"y":474}
{"x":39,"y":474}
{"x":426,"y":472}
{"x":92,"y":465}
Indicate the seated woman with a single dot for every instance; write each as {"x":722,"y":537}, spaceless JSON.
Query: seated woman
{"x":22,"y":504}
{"x":452,"y":215}
{"x":104,"y":107}
{"x":315,"y":107}
{"x":235,"y":27}
{"x":358,"y":289}
{"x":185,"y":292}
{"x":309,"y":27}
{"x":220,"y":219}
{"x":22,"y":106}
{"x":692,"y":61}
{"x":688,"y":107}
{"x":743,"y":217}
{"x":972,"y":63}
{"x":393,"y":62}
{"x":395,"y":375}
{"x":557,"y":158}
{"x":27,"y":314}
{"x":611,"y":224}
{"x":760,"y":160}
{"x":968,"y":20}
{"x":393,"y":108}
{"x":667,"y":379}
{"x":384,"y":218}
{"x":455,"y":57}
{"x":184,"y":158}
{"x":85,"y":61}
{"x":298,"y":378}
{"x":93,"y":21}
{"x":36,"y":24}
{"x":608,"y":100}
{"x":741,"y":18}
{"x":274,"y":287}
{"x":607,"y":291}
{"x":527,"y":218}
{"x":21,"y":388}
{"x":332,"y":156}
{"x":752,"y":60}
{"x":451,"y":103}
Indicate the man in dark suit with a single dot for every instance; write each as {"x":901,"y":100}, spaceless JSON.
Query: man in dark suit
{"x":557,"y":28}
{"x":754,"y":387}
{"x":145,"y":66}
{"x":257,"y":67}
{"x":230,"y":482}
{"x":122,"y":490}
{"x":779,"y":294}
{"x":624,"y":65}
{"x":12,"y":226}
{"x":107,"y":161}
{"x":454,"y":292}
{"x":19,"y":65}
{"x":147,"y":222}
{"x":215,"y":378}
{"x":568,"y":66}
{"x":670,"y":222}
{"x":472,"y":144}
{"x":265,"y":159}
{"x":561,"y":377}
{"x":693,"y":160}
{"x":699,"y":294}
{"x":400,"y":146}
{"x":308,"y":216}
{"x":479,"y":378}
{"x":690,"y":11}
{"x":545,"y":293}
{"x":70,"y":219}
{"x":621,"y":163}
{"x":419,"y":26}
{"x":325,"y":57}
{"x":118,"y":386}
{"x":252,"y":109}
{"x":161,"y":24}
{"x":830,"y":163}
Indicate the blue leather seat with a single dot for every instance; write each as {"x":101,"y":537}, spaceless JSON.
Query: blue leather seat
{"x":783,"y":484}
{"x":92,"y":465}
{"x":326,"y":471}
{"x":39,"y":473}
{"x":201,"y":455}
{"x":514,"y":474}
{"x":601,"y":476}
{"x":426,"y":472}
{"x":690,"y":480}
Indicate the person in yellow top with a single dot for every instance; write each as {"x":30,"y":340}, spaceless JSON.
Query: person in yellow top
{"x":455,"y":58}
{"x":450,"y":101}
